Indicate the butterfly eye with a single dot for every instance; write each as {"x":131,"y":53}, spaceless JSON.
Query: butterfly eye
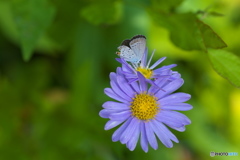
{"x":118,"y":53}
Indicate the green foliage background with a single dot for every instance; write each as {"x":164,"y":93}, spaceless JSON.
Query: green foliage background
{"x":55,"y":60}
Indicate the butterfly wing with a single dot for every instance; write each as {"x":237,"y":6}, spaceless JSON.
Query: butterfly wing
{"x":138,"y":45}
{"x":127,"y":54}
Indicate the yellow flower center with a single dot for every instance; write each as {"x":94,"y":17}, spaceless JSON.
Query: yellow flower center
{"x":144,"y":106}
{"x":147,"y":73}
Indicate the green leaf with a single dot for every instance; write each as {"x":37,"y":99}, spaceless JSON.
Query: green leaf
{"x":226,"y":64}
{"x":188,"y":32}
{"x":209,"y":38}
{"x":102,"y":13}
{"x":166,"y":6}
{"x":66,"y":22}
{"x":32,"y":17}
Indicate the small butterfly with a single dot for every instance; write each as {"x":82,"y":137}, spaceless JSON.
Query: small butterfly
{"x":132,"y":50}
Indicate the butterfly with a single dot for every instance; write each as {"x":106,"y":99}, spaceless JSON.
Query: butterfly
{"x":132,"y":50}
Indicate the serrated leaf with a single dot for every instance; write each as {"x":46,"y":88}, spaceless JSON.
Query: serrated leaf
{"x":226,"y":64}
{"x":188,"y":32}
{"x":102,"y":13}
{"x":32,"y":17}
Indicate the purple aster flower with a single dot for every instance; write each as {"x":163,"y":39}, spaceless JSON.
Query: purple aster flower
{"x":144,"y":112}
{"x":130,"y":70}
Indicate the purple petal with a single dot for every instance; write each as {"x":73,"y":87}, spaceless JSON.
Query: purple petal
{"x":157,"y":88}
{"x":158,"y":62}
{"x":163,"y":68}
{"x":131,"y":80}
{"x":169,"y":88}
{"x":113,"y":76}
{"x":150,"y":136}
{"x":120,"y":116}
{"x":106,"y":113}
{"x":117,"y":134}
{"x":127,"y":134}
{"x":162,"y":81}
{"x":111,"y":124}
{"x":180,"y":129}
{"x":165,"y":72}
{"x":161,"y":133}
{"x":126,"y":88}
{"x":175,"y":115}
{"x":175,"y":76}
{"x":119,"y":72}
{"x":115,"y":105}
{"x":119,"y":60}
{"x":152,"y":83}
{"x":127,"y":69}
{"x":127,"y":66}
{"x":135,"y":86}
{"x":118,"y":91}
{"x":153,"y":89}
{"x":159,"y":83}
{"x":170,"y":121}
{"x":177,"y":106}
{"x":109,"y":92}
{"x":171,"y":135}
{"x":142,"y":82}
{"x":174,"y":98}
{"x":168,"y":132}
{"x":131,"y":144}
{"x":144,"y":141}
{"x":156,"y":76}
{"x":130,"y":75}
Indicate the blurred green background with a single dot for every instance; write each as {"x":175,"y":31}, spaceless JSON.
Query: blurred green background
{"x":55,"y":60}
